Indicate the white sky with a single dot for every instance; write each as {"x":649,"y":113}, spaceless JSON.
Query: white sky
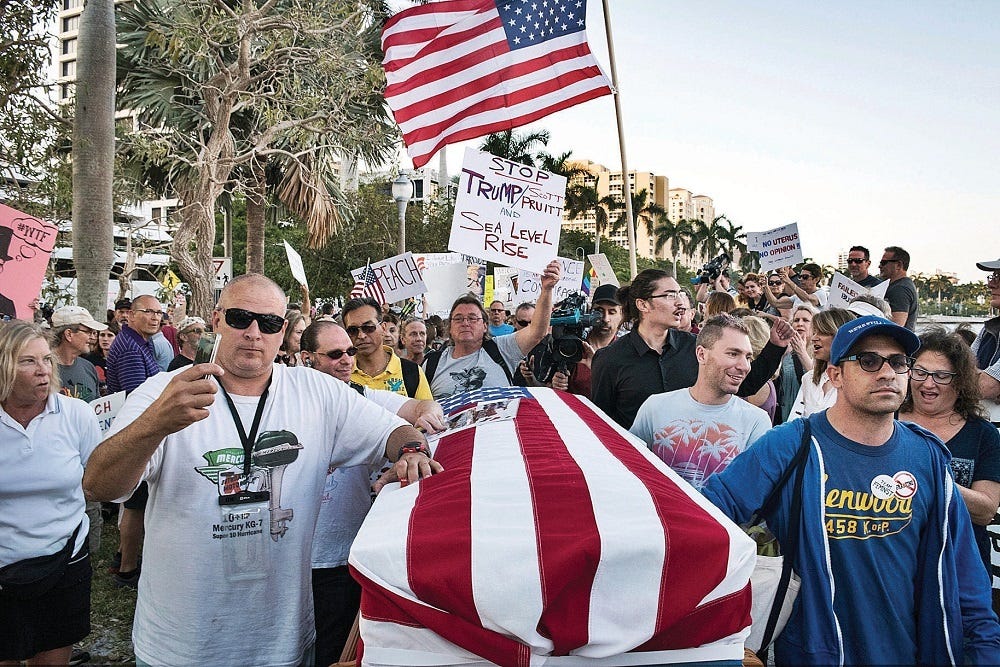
{"x":872,"y":123}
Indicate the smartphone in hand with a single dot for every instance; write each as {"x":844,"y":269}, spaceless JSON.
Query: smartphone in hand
{"x":207,"y":348}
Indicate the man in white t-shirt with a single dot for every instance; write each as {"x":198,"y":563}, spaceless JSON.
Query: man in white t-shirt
{"x":698,"y":431}
{"x":346,"y":497}
{"x":475,"y":361}
{"x":235,"y":482}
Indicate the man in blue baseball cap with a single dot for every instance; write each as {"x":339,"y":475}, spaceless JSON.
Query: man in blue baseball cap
{"x":885,"y":546}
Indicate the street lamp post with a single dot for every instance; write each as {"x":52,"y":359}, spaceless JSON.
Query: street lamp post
{"x":402,"y":192}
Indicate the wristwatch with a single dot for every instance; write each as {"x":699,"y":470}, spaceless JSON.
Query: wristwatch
{"x":413,"y":447}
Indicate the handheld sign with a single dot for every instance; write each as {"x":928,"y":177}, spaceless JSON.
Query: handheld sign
{"x":843,"y":289}
{"x":506,"y":212}
{"x":106,"y":408}
{"x":605,"y":274}
{"x":776,"y":247}
{"x":398,"y":276}
{"x":295,"y":263}
{"x":25,"y":245}
{"x":529,"y":284}
{"x":446,"y":277}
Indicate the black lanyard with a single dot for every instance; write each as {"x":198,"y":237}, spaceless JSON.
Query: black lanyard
{"x":248,"y":440}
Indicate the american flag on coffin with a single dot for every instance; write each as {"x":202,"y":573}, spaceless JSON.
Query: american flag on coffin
{"x":552,"y":538}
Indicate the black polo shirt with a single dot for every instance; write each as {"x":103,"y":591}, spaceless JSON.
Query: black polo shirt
{"x":627,"y":372}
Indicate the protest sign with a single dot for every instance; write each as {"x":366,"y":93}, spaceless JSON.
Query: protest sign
{"x":446,"y":277}
{"x":504,"y":288}
{"x":507,"y":212}
{"x":776,"y":247}
{"x":605,"y":274}
{"x":843,"y":289}
{"x":25,"y":245}
{"x":106,"y":408}
{"x":295,"y":263}
{"x":529,"y":284}
{"x":399,"y":277}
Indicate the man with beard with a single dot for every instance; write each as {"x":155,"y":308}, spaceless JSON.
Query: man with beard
{"x":890,"y":569}
{"x":377,"y":365}
{"x":656,"y":356}
{"x":698,"y":431}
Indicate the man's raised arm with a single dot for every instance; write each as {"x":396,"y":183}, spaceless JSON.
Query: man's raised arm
{"x":530,"y":336}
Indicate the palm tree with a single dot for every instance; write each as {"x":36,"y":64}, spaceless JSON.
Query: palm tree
{"x":676,"y":236}
{"x":708,"y":237}
{"x":560,"y":164}
{"x":514,"y":146}
{"x":642,"y":208}
{"x":733,"y":239}
{"x":582,"y":199}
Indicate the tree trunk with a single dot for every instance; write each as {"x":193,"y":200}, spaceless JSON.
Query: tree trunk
{"x":94,"y":156}
{"x":256,"y":199}
{"x":193,"y":243}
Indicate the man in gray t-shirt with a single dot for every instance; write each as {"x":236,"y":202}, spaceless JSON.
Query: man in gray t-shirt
{"x":473,"y":360}
{"x":73,"y":330}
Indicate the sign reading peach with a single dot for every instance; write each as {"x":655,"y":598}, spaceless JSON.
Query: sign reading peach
{"x":507,"y":212}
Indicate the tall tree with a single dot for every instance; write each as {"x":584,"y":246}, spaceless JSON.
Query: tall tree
{"x":675,"y":236}
{"x":515,"y":146}
{"x":225,"y":86}
{"x":643,"y":208}
{"x":94,"y":155}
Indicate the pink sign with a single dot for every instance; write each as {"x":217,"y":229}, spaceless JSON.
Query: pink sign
{"x":25,"y":245}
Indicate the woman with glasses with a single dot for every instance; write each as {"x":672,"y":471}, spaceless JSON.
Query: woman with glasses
{"x":47,"y":439}
{"x":816,"y":393}
{"x":189,"y":332}
{"x":944,"y":399}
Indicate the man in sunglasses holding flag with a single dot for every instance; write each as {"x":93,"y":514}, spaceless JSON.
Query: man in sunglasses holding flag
{"x":236,"y":455}
{"x":884,"y":544}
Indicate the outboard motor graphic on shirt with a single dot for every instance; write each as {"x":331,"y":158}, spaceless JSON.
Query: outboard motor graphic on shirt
{"x":272,"y":452}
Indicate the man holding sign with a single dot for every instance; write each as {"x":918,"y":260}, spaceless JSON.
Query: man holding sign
{"x":474,"y":361}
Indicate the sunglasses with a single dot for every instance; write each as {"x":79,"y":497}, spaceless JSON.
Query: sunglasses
{"x":353,"y":331}
{"x":887,"y":261}
{"x":873,"y":361}
{"x":856,"y":260}
{"x":774,"y":283}
{"x":238,"y":318}
{"x":337,"y":354}
{"x":523,"y":323}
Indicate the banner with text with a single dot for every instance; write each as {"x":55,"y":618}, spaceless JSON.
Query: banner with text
{"x":25,"y":245}
{"x":843,"y":289}
{"x":529,"y":284}
{"x":506,"y":212}
{"x":106,"y":408}
{"x":398,"y":276}
{"x":776,"y":247}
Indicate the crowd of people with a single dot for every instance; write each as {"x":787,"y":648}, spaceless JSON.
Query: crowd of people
{"x":223,"y":469}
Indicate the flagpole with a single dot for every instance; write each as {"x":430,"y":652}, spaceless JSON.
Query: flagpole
{"x":626,"y":183}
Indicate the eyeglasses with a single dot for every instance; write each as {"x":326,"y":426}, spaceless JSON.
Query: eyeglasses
{"x":268,"y":323}
{"x":84,"y":330}
{"x":471,"y":319}
{"x":940,"y":377}
{"x":353,"y":331}
{"x":196,"y":331}
{"x":148,"y":311}
{"x":337,"y":354}
{"x":873,"y":361}
{"x":671,"y":294}
{"x":523,"y":323}
{"x":887,"y":261}
{"x":856,"y":260}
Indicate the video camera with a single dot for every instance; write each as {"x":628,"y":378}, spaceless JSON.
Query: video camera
{"x":564,"y":346}
{"x":712,"y":269}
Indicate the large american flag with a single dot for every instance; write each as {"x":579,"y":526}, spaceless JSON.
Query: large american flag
{"x":461,"y":69}
{"x":552,"y":534}
{"x":367,"y":284}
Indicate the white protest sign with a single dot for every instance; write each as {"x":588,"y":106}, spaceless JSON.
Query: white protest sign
{"x":504,"y":290}
{"x":506,"y":212}
{"x":529,"y":284}
{"x":446,"y":277}
{"x":398,"y":276}
{"x":602,"y":267}
{"x":295,"y":264}
{"x":778,"y":247}
{"x":106,"y":408}
{"x":843,"y":289}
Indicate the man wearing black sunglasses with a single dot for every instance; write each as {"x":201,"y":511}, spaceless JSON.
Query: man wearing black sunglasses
{"x":858,"y":262}
{"x":901,"y":293}
{"x":327,"y":348}
{"x":882,"y":525}
{"x":236,"y":455}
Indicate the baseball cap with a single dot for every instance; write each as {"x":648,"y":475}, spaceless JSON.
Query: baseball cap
{"x":70,"y":315}
{"x":189,"y":322}
{"x":606,"y":293}
{"x":989,"y":266}
{"x":123,"y":304}
{"x":855,"y":330}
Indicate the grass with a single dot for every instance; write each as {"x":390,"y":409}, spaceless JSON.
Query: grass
{"x":111,"y":609}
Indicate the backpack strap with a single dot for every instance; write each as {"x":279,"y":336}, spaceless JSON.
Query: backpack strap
{"x":493,"y":350}
{"x":431,"y":360}
{"x":360,"y":388}
{"x":411,"y":376}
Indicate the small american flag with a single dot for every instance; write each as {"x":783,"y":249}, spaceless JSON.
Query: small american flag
{"x":459,"y":402}
{"x":367,"y":285}
{"x":461,"y":69}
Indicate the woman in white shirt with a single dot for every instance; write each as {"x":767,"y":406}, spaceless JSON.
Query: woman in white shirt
{"x":816,"y":393}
